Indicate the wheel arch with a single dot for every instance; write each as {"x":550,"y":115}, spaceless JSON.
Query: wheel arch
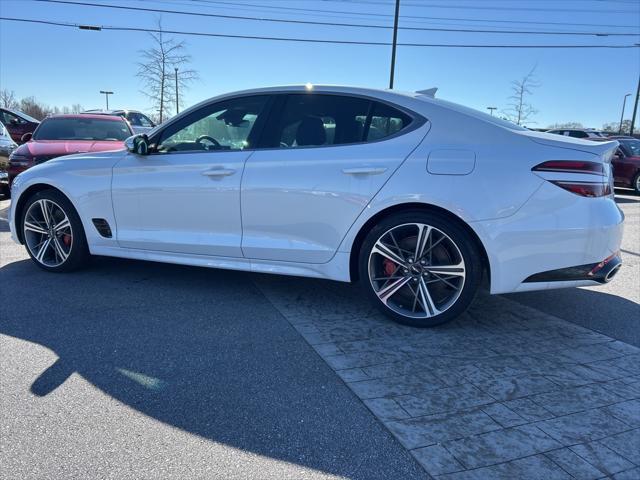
{"x":404,"y":207}
{"x":24,"y":198}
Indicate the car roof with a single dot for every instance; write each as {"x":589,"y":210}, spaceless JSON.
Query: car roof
{"x":115,"y":118}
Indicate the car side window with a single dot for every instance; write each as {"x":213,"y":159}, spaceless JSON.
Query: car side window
{"x":10,"y":118}
{"x":225,"y":125}
{"x":316,"y":119}
{"x":138,"y":120}
{"x":311,"y":120}
{"x":578,"y":134}
{"x":386,"y":121}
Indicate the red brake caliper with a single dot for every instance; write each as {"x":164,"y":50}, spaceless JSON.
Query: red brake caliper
{"x":389,"y":267}
{"x":66,"y":238}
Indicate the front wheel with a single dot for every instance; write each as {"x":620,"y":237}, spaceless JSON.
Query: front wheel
{"x":53,"y":232}
{"x":420,"y":268}
{"x":636,"y":183}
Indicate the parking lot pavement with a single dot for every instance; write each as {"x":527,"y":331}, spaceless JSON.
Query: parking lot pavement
{"x":610,"y":309}
{"x":157,"y":370}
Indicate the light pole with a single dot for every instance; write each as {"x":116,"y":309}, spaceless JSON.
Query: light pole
{"x":395,"y":44}
{"x":106,"y":96}
{"x":491,"y":109}
{"x":624,"y":102}
{"x":635,"y":109}
{"x":177,"y":99}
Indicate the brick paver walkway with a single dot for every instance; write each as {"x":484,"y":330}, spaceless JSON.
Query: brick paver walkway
{"x":503,"y":392}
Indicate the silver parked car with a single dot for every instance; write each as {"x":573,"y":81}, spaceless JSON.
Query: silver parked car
{"x":139,"y":122}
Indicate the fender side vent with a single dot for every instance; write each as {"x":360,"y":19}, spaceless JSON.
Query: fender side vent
{"x":102,"y":226}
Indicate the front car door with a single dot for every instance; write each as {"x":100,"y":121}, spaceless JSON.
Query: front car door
{"x":325,"y":157}
{"x":184,"y":197}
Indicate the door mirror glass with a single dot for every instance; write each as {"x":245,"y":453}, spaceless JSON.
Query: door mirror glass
{"x":137,"y":144}
{"x":26,"y":137}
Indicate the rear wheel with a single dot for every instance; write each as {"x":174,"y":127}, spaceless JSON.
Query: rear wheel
{"x":636,"y":183}
{"x":53,"y":233}
{"x":420,"y":268}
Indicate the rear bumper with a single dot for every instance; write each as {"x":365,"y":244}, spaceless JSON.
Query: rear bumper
{"x":602,"y":272}
{"x":555,"y":234}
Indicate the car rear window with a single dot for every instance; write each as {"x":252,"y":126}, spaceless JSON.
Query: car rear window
{"x":82,"y":129}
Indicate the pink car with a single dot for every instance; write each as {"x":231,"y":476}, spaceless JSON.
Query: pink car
{"x":60,"y":135}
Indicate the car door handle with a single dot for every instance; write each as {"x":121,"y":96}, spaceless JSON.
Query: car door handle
{"x":364,"y":170}
{"x":218,"y":172}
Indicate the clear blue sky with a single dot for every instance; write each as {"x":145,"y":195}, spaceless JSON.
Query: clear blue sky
{"x":63,"y":66}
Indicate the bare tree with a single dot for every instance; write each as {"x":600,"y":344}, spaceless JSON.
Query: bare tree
{"x":615,"y":126}
{"x":519,"y":110}
{"x":8,"y":99}
{"x":157,"y":71}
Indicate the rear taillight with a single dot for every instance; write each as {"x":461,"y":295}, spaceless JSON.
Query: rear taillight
{"x":600,"y":187}
{"x":585,"y":189}
{"x":570,"y":166}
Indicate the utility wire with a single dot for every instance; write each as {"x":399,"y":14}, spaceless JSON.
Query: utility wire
{"x":333,"y":24}
{"x":299,"y":40}
{"x":416,"y":17}
{"x":487,"y":7}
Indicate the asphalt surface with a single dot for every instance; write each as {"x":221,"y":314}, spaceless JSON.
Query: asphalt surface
{"x":141,"y":370}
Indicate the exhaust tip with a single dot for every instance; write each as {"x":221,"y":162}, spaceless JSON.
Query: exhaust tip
{"x":609,"y":276}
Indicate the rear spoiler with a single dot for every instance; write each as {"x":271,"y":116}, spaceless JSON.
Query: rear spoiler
{"x":602,"y":149}
{"x":429,"y":92}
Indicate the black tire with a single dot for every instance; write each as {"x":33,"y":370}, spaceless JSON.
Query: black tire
{"x":467,"y":249}
{"x":78,"y":253}
{"x":636,"y":184}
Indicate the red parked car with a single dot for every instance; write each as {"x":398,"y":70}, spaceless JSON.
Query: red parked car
{"x":626,"y":162}
{"x":60,"y":135}
{"x":17,"y":123}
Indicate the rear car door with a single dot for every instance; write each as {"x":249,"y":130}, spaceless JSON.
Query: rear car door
{"x":326,"y":155}
{"x":184,"y":197}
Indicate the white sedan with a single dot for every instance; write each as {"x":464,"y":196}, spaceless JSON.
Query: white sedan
{"x":417,"y":198}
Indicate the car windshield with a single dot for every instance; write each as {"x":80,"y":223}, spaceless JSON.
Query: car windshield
{"x":82,"y":129}
{"x":632,"y":146}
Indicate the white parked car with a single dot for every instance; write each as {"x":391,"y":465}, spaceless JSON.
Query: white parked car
{"x":138,"y":121}
{"x":579,"y":132}
{"x":415,"y":197}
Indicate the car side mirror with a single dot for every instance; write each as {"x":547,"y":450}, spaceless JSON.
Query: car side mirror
{"x":26,"y":137}
{"x":137,"y":144}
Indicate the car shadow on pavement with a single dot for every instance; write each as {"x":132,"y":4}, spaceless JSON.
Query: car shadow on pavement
{"x":201,"y":350}
{"x":603,"y":312}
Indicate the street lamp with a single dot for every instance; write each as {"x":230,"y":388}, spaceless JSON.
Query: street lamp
{"x":106,"y":96}
{"x":177,"y":99}
{"x":624,"y":102}
{"x":491,"y":109}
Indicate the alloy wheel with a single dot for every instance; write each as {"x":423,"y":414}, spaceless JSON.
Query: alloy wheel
{"x":416,"y":270}
{"x":48,"y":233}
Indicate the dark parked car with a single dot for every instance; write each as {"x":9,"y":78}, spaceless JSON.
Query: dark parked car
{"x":7,"y":145}
{"x":60,"y":135}
{"x":17,"y":123}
